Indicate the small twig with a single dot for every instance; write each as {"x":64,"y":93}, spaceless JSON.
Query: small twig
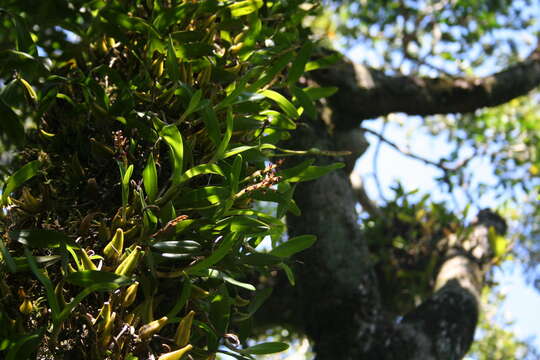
{"x":312,"y":151}
{"x":403,"y":151}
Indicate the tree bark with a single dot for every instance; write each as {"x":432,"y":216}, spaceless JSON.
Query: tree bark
{"x":366,"y":93}
{"x":336,"y":301}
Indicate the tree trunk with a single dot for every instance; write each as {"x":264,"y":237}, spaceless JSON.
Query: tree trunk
{"x":336,"y":301}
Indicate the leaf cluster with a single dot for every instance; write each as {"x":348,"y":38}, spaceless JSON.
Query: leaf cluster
{"x":144,"y":131}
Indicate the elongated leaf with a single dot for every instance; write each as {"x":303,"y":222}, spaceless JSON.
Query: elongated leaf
{"x":241,"y":149}
{"x":305,"y":101}
{"x":20,"y":176}
{"x":100,"y":286}
{"x":226,"y":137}
{"x":193,"y":50}
{"x":25,"y":346}
{"x":282,"y":102}
{"x":171,"y":135}
{"x":316,"y":93}
{"x":6,"y":257}
{"x":260,"y":259}
{"x":323,"y":62}
{"x":295,"y":170}
{"x":271,"y":73}
{"x":216,"y":256}
{"x":314,"y":172}
{"x":289,"y":273}
{"x":193,"y":104}
{"x":266,"y":348}
{"x":216,"y":274}
{"x":177,"y":246}
{"x":127,"y":176}
{"x":173,"y":68}
{"x":220,"y":310}
{"x":241,"y":8}
{"x":202,"y":169}
{"x":294,"y":245}
{"x":248,"y":225}
{"x":212,"y":125}
{"x":45,"y":281}
{"x":42,"y":239}
{"x":299,"y":63}
{"x":105,"y":278}
{"x":188,"y":36}
{"x":29,"y":89}
{"x":182,"y":299}
{"x":150,"y":178}
{"x":10,"y":125}
{"x":235,"y":174}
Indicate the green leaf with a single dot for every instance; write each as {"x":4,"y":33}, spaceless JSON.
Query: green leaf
{"x":256,"y":302}
{"x":182,"y":299}
{"x":177,"y":246}
{"x":266,"y":348}
{"x":323,"y":62}
{"x":268,"y":76}
{"x":295,"y":170}
{"x":10,"y":125}
{"x":316,"y":93}
{"x":45,"y":281}
{"x":107,"y":280}
{"x":314,"y":172}
{"x":212,"y":125}
{"x":283,"y":103}
{"x":173,"y":68}
{"x":241,"y":149}
{"x":248,"y":225}
{"x":193,"y":50}
{"x":150,"y":178}
{"x":171,"y":135}
{"x":216,"y":274}
{"x":226,"y":244}
{"x":305,"y":101}
{"x":220,"y":310}
{"x":226,"y":137}
{"x":24,"y":40}
{"x":25,"y":346}
{"x":235,"y":174}
{"x":42,"y":239}
{"x":6,"y":257}
{"x":193,"y":103}
{"x":246,"y":7}
{"x":289,"y":273}
{"x":299,"y":63}
{"x":188,"y":36}
{"x":293,"y":245}
{"x":19,"y":177}
{"x":202,"y":169}
{"x":127,"y":177}
{"x":260,"y":259}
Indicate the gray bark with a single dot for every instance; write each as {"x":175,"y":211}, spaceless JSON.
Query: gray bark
{"x":367,"y":93}
{"x":336,"y":301}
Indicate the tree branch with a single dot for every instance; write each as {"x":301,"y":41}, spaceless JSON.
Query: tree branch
{"x":440,"y":318}
{"x":367,"y":93}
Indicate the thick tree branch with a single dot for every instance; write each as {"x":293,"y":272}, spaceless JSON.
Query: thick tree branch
{"x":367,"y":93}
{"x":447,"y":320}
